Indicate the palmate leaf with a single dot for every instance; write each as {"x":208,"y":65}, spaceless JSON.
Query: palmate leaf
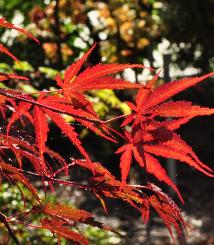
{"x":48,"y":106}
{"x":147,"y":139}
{"x":139,"y":197}
{"x":150,"y":138}
{"x":73,"y":103}
{"x":60,"y":217}
{"x":145,"y":160}
{"x":159,"y":142}
{"x":41,"y":125}
{"x":162,"y":135}
{"x":95,"y":77}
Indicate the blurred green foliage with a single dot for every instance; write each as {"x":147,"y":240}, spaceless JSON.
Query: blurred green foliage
{"x":100,"y":237}
{"x":12,"y":202}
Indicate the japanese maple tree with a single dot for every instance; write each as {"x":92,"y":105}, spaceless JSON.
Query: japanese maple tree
{"x":147,"y":133}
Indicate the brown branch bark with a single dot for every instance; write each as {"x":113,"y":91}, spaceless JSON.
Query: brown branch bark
{"x":3,"y":219}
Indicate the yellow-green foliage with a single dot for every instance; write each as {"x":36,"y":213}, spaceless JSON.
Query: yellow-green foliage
{"x":105,"y":100}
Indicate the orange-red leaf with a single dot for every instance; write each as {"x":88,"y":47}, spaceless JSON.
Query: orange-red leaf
{"x":71,"y":214}
{"x":4,"y":23}
{"x":105,"y":83}
{"x":178,"y":154}
{"x":137,"y":198}
{"x":125,"y":162}
{"x":168,"y":211}
{"x":73,"y":69}
{"x":168,"y":90}
{"x":15,"y":174}
{"x":4,"y":76}
{"x":144,"y":92}
{"x":67,"y":130}
{"x":101,"y":70}
{"x":55,"y":227}
{"x":67,"y":212}
{"x":180,"y":109}
{"x":20,"y":109}
{"x":41,"y":129}
{"x":3,"y":49}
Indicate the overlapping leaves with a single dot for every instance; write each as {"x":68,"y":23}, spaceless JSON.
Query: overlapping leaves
{"x":72,"y":102}
{"x":147,"y":137}
{"x":150,"y":136}
{"x":104,"y":184}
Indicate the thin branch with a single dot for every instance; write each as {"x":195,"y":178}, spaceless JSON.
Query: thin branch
{"x":19,"y":97}
{"x":33,"y":102}
{"x":63,"y":168}
{"x":58,"y":181}
{"x":115,"y":118}
{"x":3,"y":219}
{"x":82,"y":186}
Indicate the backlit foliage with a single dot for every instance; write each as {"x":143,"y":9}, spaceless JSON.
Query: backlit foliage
{"x":146,"y":133}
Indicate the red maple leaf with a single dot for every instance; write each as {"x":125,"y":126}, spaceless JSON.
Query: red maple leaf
{"x":150,"y":137}
{"x":73,"y":103}
{"x":147,"y":138}
{"x":139,"y":197}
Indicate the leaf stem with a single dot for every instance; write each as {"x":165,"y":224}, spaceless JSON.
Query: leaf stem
{"x":63,"y":182}
{"x":115,"y":118}
{"x":33,"y":102}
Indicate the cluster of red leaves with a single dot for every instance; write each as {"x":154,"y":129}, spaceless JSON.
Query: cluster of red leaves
{"x":149,"y":136}
{"x":145,"y":134}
